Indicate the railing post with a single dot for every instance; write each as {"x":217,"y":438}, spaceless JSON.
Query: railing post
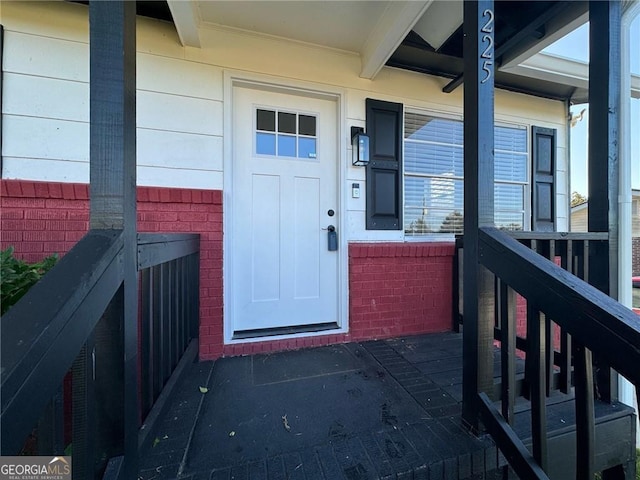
{"x":479,"y":27}
{"x":112,"y":152}
{"x":604,"y":112}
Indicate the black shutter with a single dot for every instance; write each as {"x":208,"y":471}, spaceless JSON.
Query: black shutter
{"x":384,"y":172}
{"x":543,"y":178}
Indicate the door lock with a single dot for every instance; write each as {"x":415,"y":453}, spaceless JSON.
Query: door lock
{"x":332,"y":238}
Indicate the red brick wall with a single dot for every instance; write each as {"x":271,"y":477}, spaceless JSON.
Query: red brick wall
{"x":41,"y":218}
{"x":395,"y":288}
{"x":635,"y":265}
{"x":400,"y":288}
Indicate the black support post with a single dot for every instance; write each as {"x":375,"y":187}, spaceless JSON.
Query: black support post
{"x":604,"y":116}
{"x":479,"y":27}
{"x":113,"y":206}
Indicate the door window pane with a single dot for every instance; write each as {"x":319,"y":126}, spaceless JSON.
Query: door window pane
{"x":265,"y":143}
{"x":286,"y":146}
{"x":266,"y":120}
{"x":287,"y":122}
{"x":306,"y":147}
{"x":307,"y":125}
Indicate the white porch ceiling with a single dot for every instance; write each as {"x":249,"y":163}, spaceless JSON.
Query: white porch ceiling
{"x":375,"y":29}
{"x":372,"y":29}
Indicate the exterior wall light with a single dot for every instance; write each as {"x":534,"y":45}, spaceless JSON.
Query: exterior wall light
{"x":359,"y":147}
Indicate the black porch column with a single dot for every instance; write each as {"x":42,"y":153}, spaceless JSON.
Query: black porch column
{"x":604,"y":117}
{"x":109,"y":360}
{"x":479,"y":26}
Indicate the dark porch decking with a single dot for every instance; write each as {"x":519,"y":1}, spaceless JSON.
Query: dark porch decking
{"x":383,"y":409}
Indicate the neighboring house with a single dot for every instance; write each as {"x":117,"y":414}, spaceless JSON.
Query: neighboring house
{"x":579,"y":224}
{"x":244,"y":114}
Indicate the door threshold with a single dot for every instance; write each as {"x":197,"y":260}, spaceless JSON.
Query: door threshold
{"x":272,"y":332}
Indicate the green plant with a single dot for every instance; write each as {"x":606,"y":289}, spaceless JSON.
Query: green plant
{"x":18,"y":276}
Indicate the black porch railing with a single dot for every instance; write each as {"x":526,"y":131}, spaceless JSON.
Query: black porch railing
{"x":592,"y":324}
{"x":52,"y":330}
{"x":570,"y":251}
{"x":168,"y":267}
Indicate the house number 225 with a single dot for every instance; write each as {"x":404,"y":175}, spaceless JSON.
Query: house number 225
{"x":487,"y":55}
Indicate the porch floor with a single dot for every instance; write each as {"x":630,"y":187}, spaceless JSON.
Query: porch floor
{"x":353,"y":411}
{"x":382,"y":409}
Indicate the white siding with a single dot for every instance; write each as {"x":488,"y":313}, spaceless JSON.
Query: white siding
{"x":579,"y":220}
{"x":180,"y":101}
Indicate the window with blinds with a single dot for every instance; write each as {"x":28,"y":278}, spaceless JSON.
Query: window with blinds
{"x":433,"y":175}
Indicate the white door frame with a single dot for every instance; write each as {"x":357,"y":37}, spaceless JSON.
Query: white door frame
{"x":264,"y":82}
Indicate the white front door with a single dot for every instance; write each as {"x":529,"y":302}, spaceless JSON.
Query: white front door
{"x":284,"y":193}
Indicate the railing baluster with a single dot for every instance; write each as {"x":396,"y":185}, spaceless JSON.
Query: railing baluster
{"x":195,"y":289}
{"x":585,"y":427}
{"x":549,"y":330}
{"x":565,"y":338}
{"x":51,"y":426}
{"x":186,"y":300}
{"x":507,"y":313}
{"x":83,"y":419}
{"x":180,"y":304}
{"x":180,"y":301}
{"x":157,"y":330}
{"x":536,"y":373}
{"x":585,"y":261}
{"x":165,"y":321}
{"x":457,"y":286}
{"x":146,"y":343}
{"x":173,"y":317}
{"x":565,"y":367}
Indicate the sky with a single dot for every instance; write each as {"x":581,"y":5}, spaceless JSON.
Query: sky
{"x":576,"y":46}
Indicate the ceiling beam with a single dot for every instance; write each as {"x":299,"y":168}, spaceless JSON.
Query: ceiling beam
{"x":186,"y":20}
{"x":443,"y":20}
{"x":532,"y":29}
{"x":510,"y":60}
{"x":394,"y":24}
{"x":552,"y":68}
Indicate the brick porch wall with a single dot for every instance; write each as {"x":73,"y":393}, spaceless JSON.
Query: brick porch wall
{"x":42,"y":218}
{"x":395,"y":288}
{"x":635,"y":262}
{"x":400,"y":288}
